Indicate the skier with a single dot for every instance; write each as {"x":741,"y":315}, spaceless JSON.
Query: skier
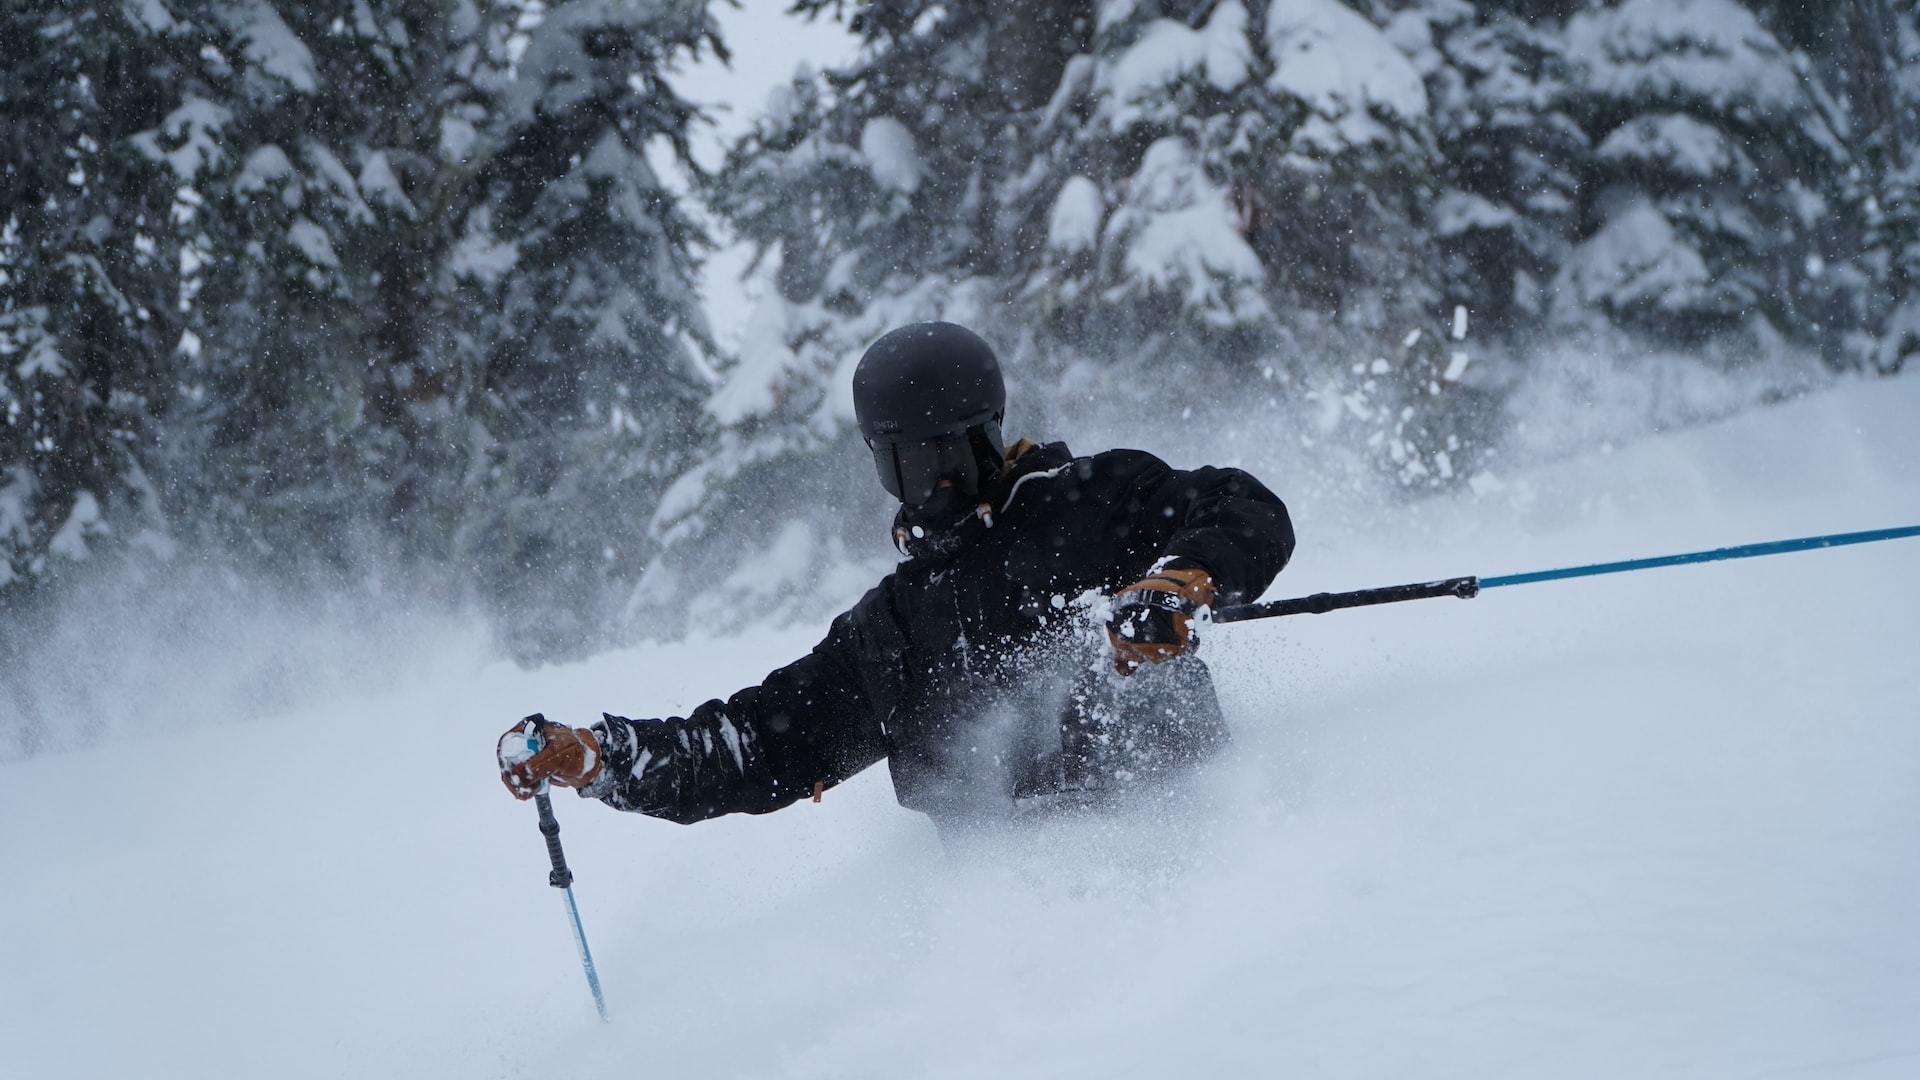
{"x":977,"y":668}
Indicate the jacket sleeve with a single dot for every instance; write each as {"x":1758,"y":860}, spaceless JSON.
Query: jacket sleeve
{"x":1221,"y":519}
{"x":811,"y":722}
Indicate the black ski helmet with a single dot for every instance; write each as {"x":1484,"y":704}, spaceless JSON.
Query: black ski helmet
{"x":929,"y":399}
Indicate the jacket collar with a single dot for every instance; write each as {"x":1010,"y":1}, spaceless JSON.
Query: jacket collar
{"x":1026,"y":460}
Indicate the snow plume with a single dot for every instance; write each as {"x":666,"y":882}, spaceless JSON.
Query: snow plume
{"x":150,"y":649}
{"x":1654,"y":823}
{"x":1594,"y":388}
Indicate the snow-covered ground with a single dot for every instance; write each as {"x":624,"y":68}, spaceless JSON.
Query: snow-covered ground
{"x":1664,"y":823}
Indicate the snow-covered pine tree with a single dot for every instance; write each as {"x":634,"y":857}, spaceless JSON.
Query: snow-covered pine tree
{"x":89,"y":320}
{"x":321,"y":420}
{"x":443,"y":308}
{"x":1869,"y":52}
{"x":883,"y":192}
{"x":1866,"y":53}
{"x":1197,"y":194}
{"x":1247,"y":163}
{"x":1248,"y":185}
{"x":580,"y":267}
{"x":1511,"y":159}
{"x":1712,"y":199}
{"x":1891,"y":135}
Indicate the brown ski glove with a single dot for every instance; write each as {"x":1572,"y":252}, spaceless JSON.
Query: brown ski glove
{"x":1153,"y":617}
{"x":532,"y":754}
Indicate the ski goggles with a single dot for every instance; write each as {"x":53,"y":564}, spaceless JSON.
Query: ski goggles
{"x":912,"y":471}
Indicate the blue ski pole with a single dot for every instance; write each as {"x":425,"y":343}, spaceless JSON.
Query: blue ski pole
{"x":1467,"y":588}
{"x":561,"y":877}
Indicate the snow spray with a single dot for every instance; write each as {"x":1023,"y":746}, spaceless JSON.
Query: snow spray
{"x":561,"y":877}
{"x":1466,"y":588}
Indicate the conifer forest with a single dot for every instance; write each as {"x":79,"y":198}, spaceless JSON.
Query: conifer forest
{"x":412,"y":290}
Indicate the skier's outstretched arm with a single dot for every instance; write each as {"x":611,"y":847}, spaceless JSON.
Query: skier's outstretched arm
{"x":809,"y":723}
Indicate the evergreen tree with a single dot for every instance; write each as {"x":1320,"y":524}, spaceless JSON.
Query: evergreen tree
{"x":1893,"y":147}
{"x":1239,"y":186}
{"x":593,"y":345}
{"x":1509,"y":207}
{"x":1872,"y":56}
{"x":326,"y":419}
{"x":886,"y":192}
{"x":389,"y":279}
{"x":1248,"y":186}
{"x":89,"y":319}
{"x":1866,"y":53}
{"x":1248,"y":163}
{"x":1712,"y":190}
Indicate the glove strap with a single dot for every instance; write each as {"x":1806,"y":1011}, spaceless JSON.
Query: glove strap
{"x":1175,"y":602}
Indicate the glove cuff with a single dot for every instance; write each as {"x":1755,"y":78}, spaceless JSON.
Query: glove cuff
{"x":616,"y":742}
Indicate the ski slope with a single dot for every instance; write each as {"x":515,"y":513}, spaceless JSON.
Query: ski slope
{"x":1658,"y":824}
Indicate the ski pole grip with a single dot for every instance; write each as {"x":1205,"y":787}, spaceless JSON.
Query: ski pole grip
{"x":560,"y":877}
{"x":1466,"y":588}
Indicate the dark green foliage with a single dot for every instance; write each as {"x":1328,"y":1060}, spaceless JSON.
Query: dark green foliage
{"x":383,"y":280}
{"x":1870,"y":52}
{"x":949,"y":109}
{"x":593,"y":379}
{"x":1512,"y":159}
{"x":88,"y":307}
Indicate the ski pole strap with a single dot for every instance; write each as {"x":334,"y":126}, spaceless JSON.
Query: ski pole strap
{"x":1468,"y":587}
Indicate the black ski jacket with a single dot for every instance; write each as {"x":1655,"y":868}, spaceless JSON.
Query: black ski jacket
{"x":982,"y":673}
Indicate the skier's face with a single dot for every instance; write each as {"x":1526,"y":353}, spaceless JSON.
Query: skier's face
{"x":912,"y":472}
